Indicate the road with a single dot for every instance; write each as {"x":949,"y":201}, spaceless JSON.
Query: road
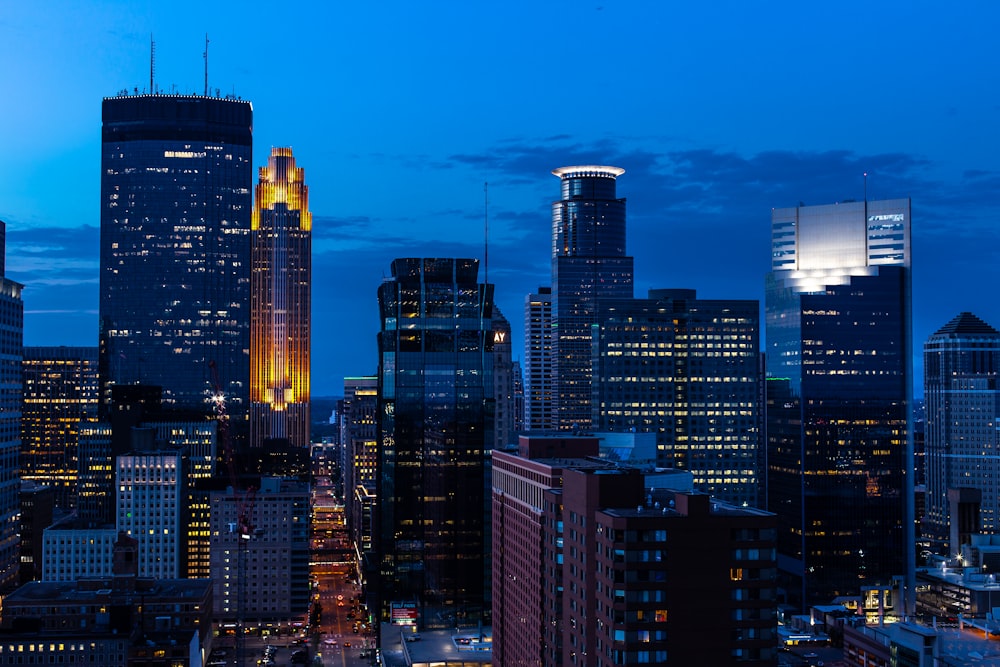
{"x":344,"y":633}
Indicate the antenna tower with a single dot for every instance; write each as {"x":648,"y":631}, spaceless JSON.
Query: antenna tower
{"x":152,"y":62}
{"x":205,"y":54}
{"x":486,"y":231}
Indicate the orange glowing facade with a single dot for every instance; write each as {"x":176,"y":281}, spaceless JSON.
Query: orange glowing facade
{"x":281,"y":228}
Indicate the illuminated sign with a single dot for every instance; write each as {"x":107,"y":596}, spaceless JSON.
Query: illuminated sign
{"x":886,"y":217}
{"x":404,"y":613}
{"x":499,"y":336}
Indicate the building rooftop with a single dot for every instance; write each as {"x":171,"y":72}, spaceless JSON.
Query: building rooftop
{"x":966,"y":324}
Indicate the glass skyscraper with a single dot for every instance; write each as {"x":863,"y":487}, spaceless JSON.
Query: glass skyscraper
{"x":962,"y":441}
{"x":11,"y":346}
{"x":839,"y":396}
{"x":436,"y":420}
{"x":281,"y":236}
{"x":588,"y":264}
{"x":175,"y":247}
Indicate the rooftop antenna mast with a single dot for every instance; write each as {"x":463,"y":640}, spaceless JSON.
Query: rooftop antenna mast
{"x":152,"y":62}
{"x":486,"y":231}
{"x":205,"y":54}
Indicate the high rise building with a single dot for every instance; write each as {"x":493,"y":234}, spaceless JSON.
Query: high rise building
{"x":839,"y":396}
{"x":175,"y":247}
{"x":151,"y":505}
{"x":539,"y":381}
{"x":600,"y":564}
{"x":503,"y":382}
{"x":588,"y":264}
{"x":60,"y":394}
{"x":11,"y":346}
{"x":435,"y":433}
{"x":281,"y":237}
{"x":688,"y":370}
{"x":277,"y":556}
{"x":962,"y":439}
{"x":359,"y":435}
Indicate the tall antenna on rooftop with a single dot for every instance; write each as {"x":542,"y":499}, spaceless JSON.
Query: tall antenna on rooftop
{"x":486,"y":231}
{"x":152,"y":62}
{"x":205,"y":54}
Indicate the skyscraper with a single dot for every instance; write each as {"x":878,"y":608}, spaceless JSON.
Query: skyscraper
{"x":503,"y":382}
{"x":11,"y":345}
{"x":588,"y":264}
{"x":175,"y":246}
{"x":539,"y":380}
{"x":436,"y":421}
{"x":688,"y":370}
{"x":839,"y":396}
{"x":281,"y":235}
{"x":60,"y":394}
{"x":961,"y":370}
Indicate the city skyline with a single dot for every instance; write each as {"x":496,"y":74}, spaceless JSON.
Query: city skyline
{"x":715,"y":120}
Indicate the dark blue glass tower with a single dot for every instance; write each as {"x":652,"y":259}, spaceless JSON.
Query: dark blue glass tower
{"x":436,"y":419}
{"x":588,"y":264}
{"x":839,"y":396}
{"x":175,"y":246}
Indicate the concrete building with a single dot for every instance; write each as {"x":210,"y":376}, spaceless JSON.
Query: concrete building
{"x":276,"y":572}
{"x":596,"y":565}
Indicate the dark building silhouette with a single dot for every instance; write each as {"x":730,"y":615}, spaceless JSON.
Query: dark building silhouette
{"x":11,"y":347}
{"x":37,"y":505}
{"x":962,"y":394}
{"x":839,"y":397}
{"x":175,"y":247}
{"x":436,"y":417}
{"x":588,"y":264}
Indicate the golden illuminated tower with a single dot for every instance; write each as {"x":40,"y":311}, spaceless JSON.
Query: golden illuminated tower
{"x":280,"y":300}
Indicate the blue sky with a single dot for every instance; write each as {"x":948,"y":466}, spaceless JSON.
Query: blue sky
{"x":400,"y":111}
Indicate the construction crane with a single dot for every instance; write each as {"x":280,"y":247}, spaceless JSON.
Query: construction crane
{"x":244,"y":502}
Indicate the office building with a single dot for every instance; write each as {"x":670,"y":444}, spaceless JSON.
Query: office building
{"x":281,"y":239}
{"x":71,"y":550}
{"x":37,"y":505}
{"x":435,"y":432}
{"x":962,"y":440}
{"x":359,"y":435}
{"x":602,"y":564}
{"x":503,"y":383}
{"x":589,"y":264}
{"x":538,"y":380}
{"x":111,"y":620}
{"x":175,"y":247}
{"x":839,"y":397}
{"x":151,"y":500}
{"x":277,"y":554}
{"x":60,"y":394}
{"x":11,"y":346}
{"x":686,"y":369}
